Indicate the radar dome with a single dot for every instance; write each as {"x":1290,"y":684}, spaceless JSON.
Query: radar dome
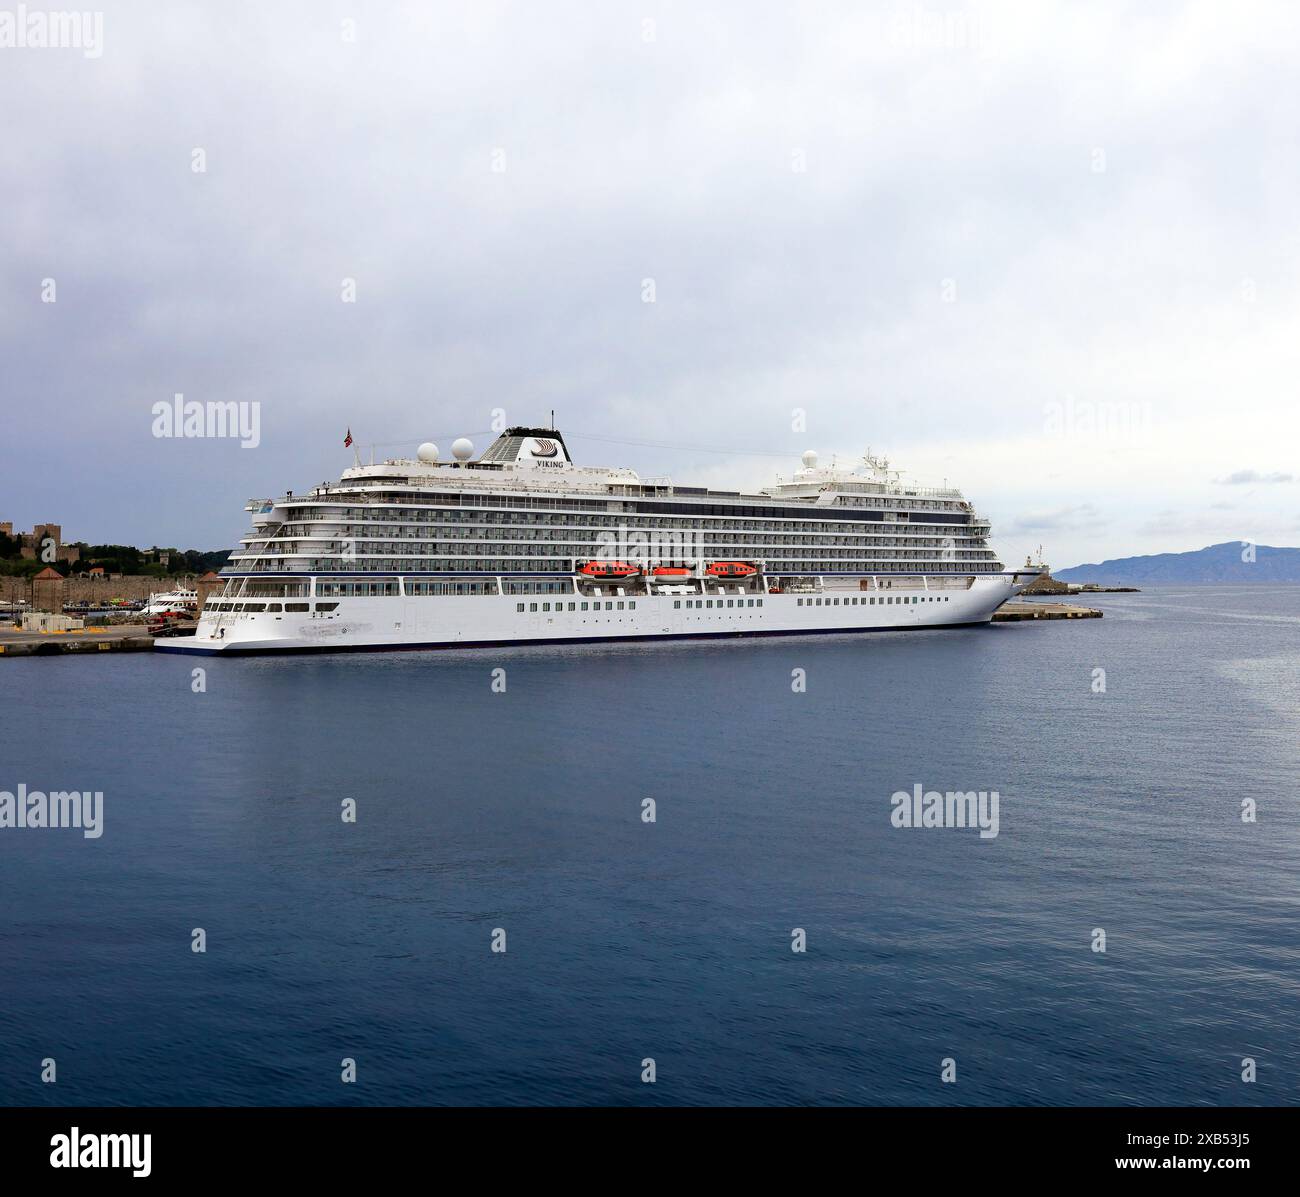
{"x":462,"y":449}
{"x":427,"y":452}
{"x":810,"y":459}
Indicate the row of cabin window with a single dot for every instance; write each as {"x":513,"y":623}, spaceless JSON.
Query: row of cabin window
{"x":610,"y":605}
{"x":413,"y":522}
{"x":417,"y":589}
{"x":458,"y":508}
{"x":859,"y":601}
{"x":717,"y":602}
{"x":917,"y":562}
{"x":379,"y":540}
{"x":632,"y":606}
{"x":534,"y":587}
{"x":276,"y":607}
{"x":277,"y":590}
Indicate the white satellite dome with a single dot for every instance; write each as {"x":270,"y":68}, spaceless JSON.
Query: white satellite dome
{"x":427,"y":452}
{"x":462,"y":449}
{"x":810,"y":459}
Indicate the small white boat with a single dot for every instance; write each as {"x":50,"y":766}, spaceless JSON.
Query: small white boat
{"x":186,"y":601}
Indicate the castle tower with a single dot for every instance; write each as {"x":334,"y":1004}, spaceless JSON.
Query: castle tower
{"x":206,"y":585}
{"x":47,"y":591}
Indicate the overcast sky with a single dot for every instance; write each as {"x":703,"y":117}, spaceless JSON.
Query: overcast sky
{"x":1047,"y":253}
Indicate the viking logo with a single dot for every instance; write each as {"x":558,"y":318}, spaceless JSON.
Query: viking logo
{"x":545,"y":448}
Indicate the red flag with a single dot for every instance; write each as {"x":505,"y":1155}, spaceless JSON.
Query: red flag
{"x":347,"y":440}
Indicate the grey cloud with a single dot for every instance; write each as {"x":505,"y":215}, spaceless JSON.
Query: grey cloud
{"x":1246,"y":477}
{"x":1185,"y":524}
{"x":927,"y":158}
{"x":1078,"y":516}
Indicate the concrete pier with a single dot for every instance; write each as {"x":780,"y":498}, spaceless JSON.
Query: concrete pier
{"x":1013,"y":611}
{"x":120,"y":638}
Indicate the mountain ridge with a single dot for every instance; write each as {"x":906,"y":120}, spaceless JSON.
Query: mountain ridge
{"x":1214,"y":563}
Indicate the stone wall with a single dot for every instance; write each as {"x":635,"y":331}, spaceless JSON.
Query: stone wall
{"x":75,"y":590}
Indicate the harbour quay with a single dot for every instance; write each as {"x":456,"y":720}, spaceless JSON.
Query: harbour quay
{"x":15,"y":642}
{"x":1014,"y":611}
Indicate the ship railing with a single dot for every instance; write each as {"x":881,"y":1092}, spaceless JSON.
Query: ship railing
{"x":927,"y":492}
{"x":221,"y":615}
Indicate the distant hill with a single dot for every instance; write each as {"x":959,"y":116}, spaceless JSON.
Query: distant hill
{"x":1216,"y":563}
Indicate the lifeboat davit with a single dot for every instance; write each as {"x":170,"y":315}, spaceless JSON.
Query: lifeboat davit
{"x":731,"y":569}
{"x":608,"y":569}
{"x":669,"y":573}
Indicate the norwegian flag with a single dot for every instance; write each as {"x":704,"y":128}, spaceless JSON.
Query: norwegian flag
{"x":347,"y":440}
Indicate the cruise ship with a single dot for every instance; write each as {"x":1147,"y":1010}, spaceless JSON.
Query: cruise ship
{"x":522,"y":545}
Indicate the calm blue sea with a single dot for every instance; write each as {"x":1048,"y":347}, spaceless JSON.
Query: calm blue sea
{"x":522,"y":810}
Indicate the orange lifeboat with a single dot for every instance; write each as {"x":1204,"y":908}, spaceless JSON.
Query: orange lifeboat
{"x":608,"y":569}
{"x":731,"y":569}
{"x":669,"y":573}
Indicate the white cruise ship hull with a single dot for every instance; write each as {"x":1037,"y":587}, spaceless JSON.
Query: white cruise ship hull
{"x":453,"y":621}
